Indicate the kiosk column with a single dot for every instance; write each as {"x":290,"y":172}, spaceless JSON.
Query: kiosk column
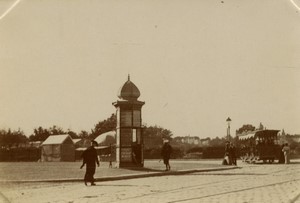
{"x":129,"y":136}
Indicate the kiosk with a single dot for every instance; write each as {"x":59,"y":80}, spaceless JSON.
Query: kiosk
{"x":129,"y":131}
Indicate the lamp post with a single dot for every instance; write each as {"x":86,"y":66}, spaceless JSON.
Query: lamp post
{"x":228,"y":120}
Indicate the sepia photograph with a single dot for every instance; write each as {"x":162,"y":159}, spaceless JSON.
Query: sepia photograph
{"x":164,"y":101}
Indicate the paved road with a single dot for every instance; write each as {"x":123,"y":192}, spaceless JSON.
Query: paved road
{"x":251,"y":183}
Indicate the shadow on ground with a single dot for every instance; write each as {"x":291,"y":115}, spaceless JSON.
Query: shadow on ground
{"x":144,"y":169}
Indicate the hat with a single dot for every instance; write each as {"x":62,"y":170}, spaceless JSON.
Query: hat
{"x":94,"y":142}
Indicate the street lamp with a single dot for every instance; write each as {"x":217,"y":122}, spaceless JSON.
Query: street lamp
{"x":228,"y":120}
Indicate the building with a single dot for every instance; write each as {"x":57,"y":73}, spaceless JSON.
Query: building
{"x":187,"y":140}
{"x":205,"y":141}
{"x":58,"y":148}
{"x":192,"y":140}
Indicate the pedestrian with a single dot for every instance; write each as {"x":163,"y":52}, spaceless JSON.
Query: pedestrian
{"x":134,"y":154}
{"x":166,"y":153}
{"x":286,"y":151}
{"x":232,"y":153}
{"x":110,"y":161}
{"x":281,"y":155}
{"x":90,"y":159}
{"x":110,"y":158}
{"x":227,"y":156}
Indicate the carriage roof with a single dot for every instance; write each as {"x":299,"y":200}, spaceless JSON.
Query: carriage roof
{"x":259,"y":134}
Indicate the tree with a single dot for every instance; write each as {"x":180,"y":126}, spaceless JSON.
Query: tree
{"x":41,"y":134}
{"x":72,"y":134}
{"x":289,"y":139}
{"x":217,"y":142}
{"x":157,"y":131}
{"x":104,"y":126}
{"x":245,"y":128}
{"x":55,"y":130}
{"x":153,"y":135}
{"x":9,"y":138}
{"x":83,"y":134}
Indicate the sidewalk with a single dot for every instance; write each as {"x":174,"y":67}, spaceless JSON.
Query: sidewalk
{"x":70,"y":172}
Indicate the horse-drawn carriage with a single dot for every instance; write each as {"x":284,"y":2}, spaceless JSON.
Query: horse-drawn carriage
{"x":259,"y":145}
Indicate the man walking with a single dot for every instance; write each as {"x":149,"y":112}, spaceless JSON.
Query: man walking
{"x":90,"y":158}
{"x":166,"y":153}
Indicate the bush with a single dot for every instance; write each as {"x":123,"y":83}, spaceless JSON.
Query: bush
{"x":20,"y":154}
{"x":213,"y":152}
{"x":195,"y":149}
{"x":155,"y":153}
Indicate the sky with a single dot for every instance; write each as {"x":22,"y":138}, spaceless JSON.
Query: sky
{"x":195,"y":63}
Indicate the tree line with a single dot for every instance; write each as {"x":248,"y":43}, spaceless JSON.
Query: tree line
{"x":10,"y":138}
{"x":153,"y":135}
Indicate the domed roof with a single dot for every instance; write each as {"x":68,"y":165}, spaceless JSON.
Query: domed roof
{"x":101,"y":138}
{"x":129,"y":91}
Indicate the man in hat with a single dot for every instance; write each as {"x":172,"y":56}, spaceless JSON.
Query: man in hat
{"x":90,"y":158}
{"x":166,"y":153}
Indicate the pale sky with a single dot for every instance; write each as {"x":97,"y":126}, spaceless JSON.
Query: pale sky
{"x":195,"y":63}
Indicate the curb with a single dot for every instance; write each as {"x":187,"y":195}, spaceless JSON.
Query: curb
{"x":124,"y":177}
{"x":165,"y":173}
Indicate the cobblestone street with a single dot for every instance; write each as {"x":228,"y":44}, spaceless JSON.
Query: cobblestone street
{"x":251,"y":183}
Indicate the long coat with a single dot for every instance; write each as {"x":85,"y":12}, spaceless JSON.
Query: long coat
{"x":166,"y":152}
{"x":90,"y":158}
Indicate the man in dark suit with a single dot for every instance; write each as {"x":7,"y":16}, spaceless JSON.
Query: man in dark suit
{"x":166,"y":153}
{"x":90,"y":158}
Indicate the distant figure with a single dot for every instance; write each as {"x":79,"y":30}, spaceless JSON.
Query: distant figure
{"x":227,"y":156}
{"x":281,"y":155}
{"x":286,"y":151}
{"x":134,"y":157}
{"x":90,"y":158}
{"x":225,"y":160}
{"x":232,"y":154}
{"x":166,"y":153}
{"x":134,"y":154}
{"x":110,"y":158}
{"x":110,"y":161}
